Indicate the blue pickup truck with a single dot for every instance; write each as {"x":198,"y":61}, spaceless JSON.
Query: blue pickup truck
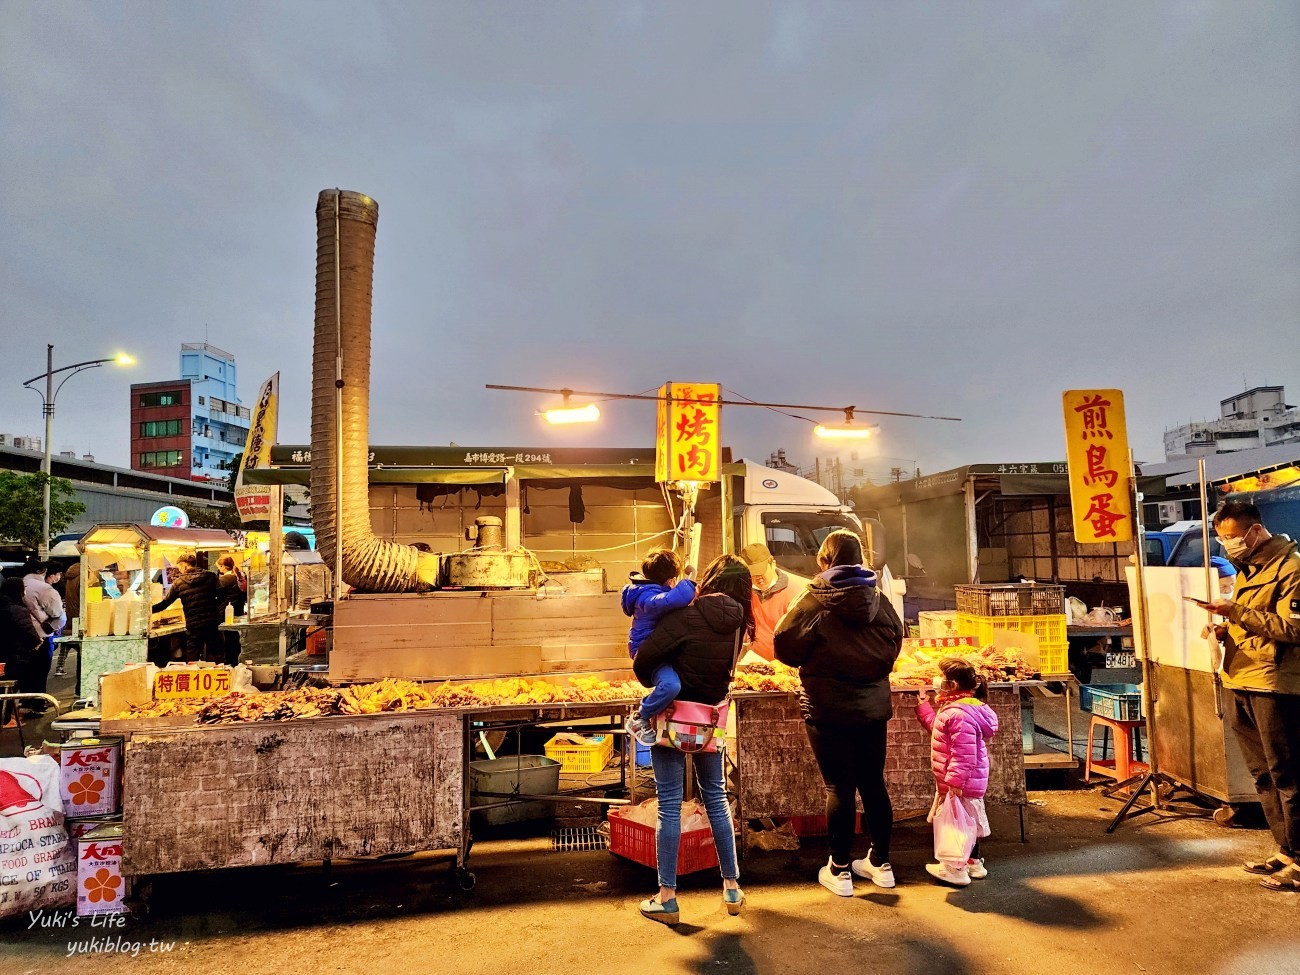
{"x":1182,"y":543}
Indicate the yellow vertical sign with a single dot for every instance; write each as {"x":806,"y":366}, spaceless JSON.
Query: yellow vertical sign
{"x":254,"y":502}
{"x":1096,"y":450}
{"x":688,"y":442}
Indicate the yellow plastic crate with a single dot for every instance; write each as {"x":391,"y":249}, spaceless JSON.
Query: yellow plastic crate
{"x":1053,"y":644}
{"x":581,"y":759}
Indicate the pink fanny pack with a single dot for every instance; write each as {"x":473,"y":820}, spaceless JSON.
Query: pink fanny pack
{"x":691,"y":727}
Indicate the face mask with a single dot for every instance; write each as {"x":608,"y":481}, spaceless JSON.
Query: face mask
{"x":1237,"y":548}
{"x":937,"y":683}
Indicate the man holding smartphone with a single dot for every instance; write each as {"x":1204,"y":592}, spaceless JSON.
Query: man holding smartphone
{"x":1261,"y":665}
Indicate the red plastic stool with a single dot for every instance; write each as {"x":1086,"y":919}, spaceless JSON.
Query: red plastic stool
{"x":1122,"y":766}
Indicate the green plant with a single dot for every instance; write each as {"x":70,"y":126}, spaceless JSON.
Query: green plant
{"x":21,"y":506}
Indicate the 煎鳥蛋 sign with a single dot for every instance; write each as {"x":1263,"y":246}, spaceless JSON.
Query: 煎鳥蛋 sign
{"x":1096,"y":452}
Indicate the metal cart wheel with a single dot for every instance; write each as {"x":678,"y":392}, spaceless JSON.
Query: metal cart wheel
{"x":465,"y":878}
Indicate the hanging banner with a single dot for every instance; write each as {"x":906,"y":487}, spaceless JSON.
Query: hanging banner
{"x":1096,"y":453}
{"x":254,"y":502}
{"x":688,"y":441}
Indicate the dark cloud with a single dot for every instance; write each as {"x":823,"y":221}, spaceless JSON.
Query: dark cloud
{"x":939,"y":208}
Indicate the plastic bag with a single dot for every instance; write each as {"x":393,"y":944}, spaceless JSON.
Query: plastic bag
{"x":38,"y":868}
{"x":955,"y":830}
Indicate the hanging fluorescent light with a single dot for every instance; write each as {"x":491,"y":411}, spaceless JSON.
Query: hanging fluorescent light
{"x":572,"y":414}
{"x":848,"y":430}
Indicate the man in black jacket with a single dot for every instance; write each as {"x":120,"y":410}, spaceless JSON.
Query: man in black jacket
{"x":199,"y":595}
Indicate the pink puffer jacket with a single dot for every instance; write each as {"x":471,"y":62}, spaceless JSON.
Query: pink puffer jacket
{"x":958,"y":731}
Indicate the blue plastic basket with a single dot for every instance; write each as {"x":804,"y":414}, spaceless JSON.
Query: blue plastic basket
{"x":1119,"y":702}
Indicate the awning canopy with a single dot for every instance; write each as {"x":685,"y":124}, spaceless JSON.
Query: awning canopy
{"x":133,"y":534}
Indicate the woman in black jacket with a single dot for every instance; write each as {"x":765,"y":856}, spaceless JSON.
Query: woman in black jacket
{"x":21,"y":649}
{"x":844,"y":637}
{"x":701,"y":642}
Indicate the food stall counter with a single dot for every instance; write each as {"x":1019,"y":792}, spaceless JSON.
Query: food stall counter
{"x":125,"y":569}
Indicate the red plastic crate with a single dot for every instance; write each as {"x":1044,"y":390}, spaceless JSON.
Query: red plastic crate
{"x":636,"y":842}
{"x":816,"y":825}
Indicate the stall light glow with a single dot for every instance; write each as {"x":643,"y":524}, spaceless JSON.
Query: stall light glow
{"x":846,"y":431}
{"x":573,"y":414}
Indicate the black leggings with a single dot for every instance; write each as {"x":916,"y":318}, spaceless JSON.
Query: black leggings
{"x":852,"y":763}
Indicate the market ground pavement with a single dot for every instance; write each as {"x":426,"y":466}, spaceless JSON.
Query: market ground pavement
{"x":1156,"y":896}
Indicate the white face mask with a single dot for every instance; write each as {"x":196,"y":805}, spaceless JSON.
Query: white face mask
{"x":1238,"y":548}
{"x":937,"y":683}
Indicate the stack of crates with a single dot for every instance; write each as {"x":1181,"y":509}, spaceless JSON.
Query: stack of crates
{"x":1023,"y":608}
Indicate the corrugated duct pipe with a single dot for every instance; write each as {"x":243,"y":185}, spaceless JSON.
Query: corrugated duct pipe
{"x":345,"y":257}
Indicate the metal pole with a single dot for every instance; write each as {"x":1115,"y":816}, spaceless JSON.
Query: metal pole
{"x":1211,"y":584}
{"x":1144,"y":627}
{"x":43,"y":550}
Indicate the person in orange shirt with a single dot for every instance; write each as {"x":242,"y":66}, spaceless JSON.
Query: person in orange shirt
{"x":772,"y":593}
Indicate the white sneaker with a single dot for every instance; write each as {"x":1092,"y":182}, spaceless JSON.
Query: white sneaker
{"x":837,"y":883}
{"x":976,"y":870}
{"x":881,"y":876}
{"x":946,"y":875}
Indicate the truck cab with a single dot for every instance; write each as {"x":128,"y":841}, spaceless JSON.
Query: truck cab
{"x":1180,"y":544}
{"x":793,"y":515}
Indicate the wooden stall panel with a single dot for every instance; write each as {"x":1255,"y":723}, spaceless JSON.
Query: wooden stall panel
{"x":779,"y":776}
{"x":289,"y":792}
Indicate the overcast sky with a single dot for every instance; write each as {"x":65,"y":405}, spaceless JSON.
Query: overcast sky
{"x":952,"y":208}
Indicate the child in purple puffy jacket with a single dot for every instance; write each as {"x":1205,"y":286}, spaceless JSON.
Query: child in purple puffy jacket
{"x":959,"y":723}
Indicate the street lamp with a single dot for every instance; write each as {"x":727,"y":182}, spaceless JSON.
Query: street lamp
{"x":47,"y":404}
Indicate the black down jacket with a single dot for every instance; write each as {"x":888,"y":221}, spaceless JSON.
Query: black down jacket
{"x":699,"y":642}
{"x":844,"y":638}
{"x":201,"y":598}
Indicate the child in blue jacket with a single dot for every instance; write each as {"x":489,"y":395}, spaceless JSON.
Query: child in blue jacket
{"x":661,"y":586}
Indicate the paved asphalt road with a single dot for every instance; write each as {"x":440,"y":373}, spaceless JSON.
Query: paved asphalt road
{"x":1159,"y":895}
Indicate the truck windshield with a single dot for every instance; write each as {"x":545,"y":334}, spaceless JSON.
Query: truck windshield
{"x":1191,"y":552}
{"x":795,"y":536}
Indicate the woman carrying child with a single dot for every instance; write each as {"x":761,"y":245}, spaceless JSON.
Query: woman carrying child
{"x":960,"y":724}
{"x":700,"y":643}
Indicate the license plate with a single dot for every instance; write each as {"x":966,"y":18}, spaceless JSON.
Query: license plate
{"x":1120,"y":660}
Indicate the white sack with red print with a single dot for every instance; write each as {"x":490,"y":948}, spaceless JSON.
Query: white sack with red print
{"x":38,"y":869}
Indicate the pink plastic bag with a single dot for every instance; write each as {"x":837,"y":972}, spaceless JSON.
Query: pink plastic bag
{"x":955,"y":830}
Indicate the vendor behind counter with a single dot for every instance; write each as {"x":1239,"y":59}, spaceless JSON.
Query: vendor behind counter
{"x":204,"y":602}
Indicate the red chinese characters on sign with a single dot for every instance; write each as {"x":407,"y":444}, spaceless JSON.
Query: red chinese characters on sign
{"x":1101,"y":516}
{"x":1098,"y":470}
{"x":1097,"y":459}
{"x":689,"y":439}
{"x":1093,"y":412}
{"x":694,"y":433}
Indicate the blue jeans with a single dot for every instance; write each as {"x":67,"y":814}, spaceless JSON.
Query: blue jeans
{"x":670,"y":780}
{"x":667,"y":686}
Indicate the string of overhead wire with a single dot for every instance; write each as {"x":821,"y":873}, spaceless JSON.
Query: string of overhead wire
{"x":748,"y":399}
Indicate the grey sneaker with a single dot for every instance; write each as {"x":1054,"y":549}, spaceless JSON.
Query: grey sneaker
{"x":976,"y":870}
{"x":642,"y":729}
{"x":881,"y":876}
